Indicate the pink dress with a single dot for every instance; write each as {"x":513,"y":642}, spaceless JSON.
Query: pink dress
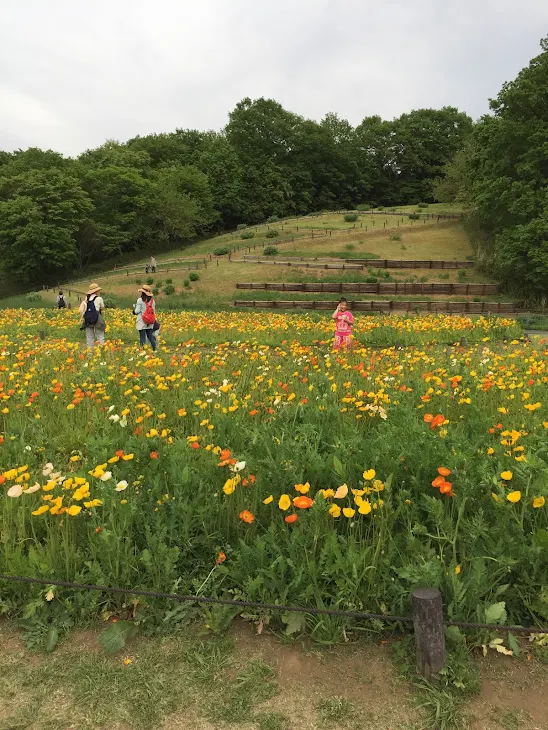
{"x":343,"y":329}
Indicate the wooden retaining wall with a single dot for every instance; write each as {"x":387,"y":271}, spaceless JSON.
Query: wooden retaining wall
{"x":380,"y":287}
{"x":392,"y":306}
{"x":361,"y":263}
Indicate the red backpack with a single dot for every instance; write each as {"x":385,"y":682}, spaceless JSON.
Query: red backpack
{"x":148,"y":315}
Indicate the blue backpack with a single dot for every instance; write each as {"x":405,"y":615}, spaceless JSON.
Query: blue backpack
{"x":91,"y":315}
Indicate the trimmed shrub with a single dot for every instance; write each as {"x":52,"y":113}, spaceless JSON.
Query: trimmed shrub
{"x":186,"y":283}
{"x":169,"y":281}
{"x":155,"y":291}
{"x":380,"y":207}
{"x":169,"y":289}
{"x":34,"y":296}
{"x":248,"y":235}
{"x":273,"y":219}
{"x":159,"y":284}
{"x":422,"y":205}
{"x":150,"y":281}
{"x":363,"y":206}
{"x":222,"y":251}
{"x":241,"y":226}
{"x":413,"y":216}
{"x":371,"y":280}
{"x":194,"y":276}
{"x":110,"y":303}
{"x":395,"y":237}
{"x":270,"y":251}
{"x":351,"y":217}
{"x":272,"y":233}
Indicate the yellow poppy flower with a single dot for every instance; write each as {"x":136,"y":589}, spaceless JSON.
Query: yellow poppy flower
{"x":284,"y":502}
{"x":74,"y":510}
{"x":349,"y":512}
{"x":538,"y":502}
{"x":506,"y":475}
{"x":365,"y":507}
{"x":41,"y":510}
{"x":341,"y":492}
{"x":514,"y":497}
{"x":369,"y":474}
{"x":268,"y":500}
{"x":335,"y":510}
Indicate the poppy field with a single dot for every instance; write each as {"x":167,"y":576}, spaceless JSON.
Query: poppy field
{"x":247,"y":459}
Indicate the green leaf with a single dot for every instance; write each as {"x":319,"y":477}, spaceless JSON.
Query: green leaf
{"x":337,"y":465}
{"x":513,"y":644}
{"x":496,"y":613}
{"x":540,"y":539}
{"x":295,"y":623}
{"x":185,"y":475}
{"x":114,"y":638}
{"x":51,"y":640}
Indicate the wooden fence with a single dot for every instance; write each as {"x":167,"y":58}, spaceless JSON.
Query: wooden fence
{"x":393,"y":306}
{"x":381,"y":287}
{"x":359,"y":263}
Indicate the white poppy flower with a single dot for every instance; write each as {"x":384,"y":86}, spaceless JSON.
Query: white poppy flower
{"x":238,"y":466}
{"x":121,"y":486}
{"x":15,"y":491}
{"x":46,"y":471}
{"x":32,"y":489}
{"x":106,"y":476}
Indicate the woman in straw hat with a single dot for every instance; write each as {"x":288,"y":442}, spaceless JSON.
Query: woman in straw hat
{"x":92,"y":320}
{"x":145,"y":309}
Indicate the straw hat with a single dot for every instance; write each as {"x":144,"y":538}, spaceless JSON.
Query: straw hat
{"x":94,"y":288}
{"x":146,"y":290}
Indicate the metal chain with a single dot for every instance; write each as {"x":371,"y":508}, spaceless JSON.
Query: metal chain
{"x":263,"y":606}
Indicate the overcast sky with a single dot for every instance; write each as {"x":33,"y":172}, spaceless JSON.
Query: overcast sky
{"x":77,"y":72}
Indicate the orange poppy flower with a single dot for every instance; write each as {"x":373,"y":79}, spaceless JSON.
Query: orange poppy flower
{"x":221,"y":557}
{"x":446,"y":488}
{"x":290,"y":519}
{"x":119,"y":453}
{"x":438,"y":421}
{"x":247,"y":516}
{"x":438,"y":481}
{"x":428,"y":418}
{"x":194,"y":445}
{"x":153,"y":454}
{"x":303,"y":502}
{"x":444,"y":471}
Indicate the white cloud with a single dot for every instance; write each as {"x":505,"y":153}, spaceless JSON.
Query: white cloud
{"x":76,"y":73}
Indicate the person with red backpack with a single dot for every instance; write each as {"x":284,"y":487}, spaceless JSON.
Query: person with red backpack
{"x":145,"y":310}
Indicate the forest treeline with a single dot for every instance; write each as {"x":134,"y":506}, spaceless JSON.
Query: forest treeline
{"x":60,"y":214}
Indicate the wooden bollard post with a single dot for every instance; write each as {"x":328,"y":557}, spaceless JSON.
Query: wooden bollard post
{"x":42,"y":334}
{"x":429,"y":632}
{"x":463,"y":342}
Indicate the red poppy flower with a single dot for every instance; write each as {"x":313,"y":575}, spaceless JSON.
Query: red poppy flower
{"x":194,"y":445}
{"x":303,"y":502}
{"x":290,"y":519}
{"x":153,"y":454}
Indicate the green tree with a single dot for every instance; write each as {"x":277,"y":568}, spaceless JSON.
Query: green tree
{"x":41,"y":212}
{"x":508,"y":182}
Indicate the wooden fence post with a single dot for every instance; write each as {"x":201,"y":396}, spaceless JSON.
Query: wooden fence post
{"x":42,"y":334}
{"x":429,"y":631}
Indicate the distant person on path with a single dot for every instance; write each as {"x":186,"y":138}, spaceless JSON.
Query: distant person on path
{"x":153,"y":264}
{"x":61,"y":301}
{"x":343,"y":325}
{"x":91,"y":312}
{"x":145,"y":309}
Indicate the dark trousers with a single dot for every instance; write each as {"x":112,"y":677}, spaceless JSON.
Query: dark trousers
{"x":143,"y":334}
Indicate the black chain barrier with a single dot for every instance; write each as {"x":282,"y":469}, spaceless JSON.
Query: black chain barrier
{"x":264,"y":606}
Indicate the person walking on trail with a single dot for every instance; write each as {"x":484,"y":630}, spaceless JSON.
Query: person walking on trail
{"x":91,"y":312}
{"x":145,"y":309}
{"x":61,"y":301}
{"x":343,"y":325}
{"x":153,"y":264}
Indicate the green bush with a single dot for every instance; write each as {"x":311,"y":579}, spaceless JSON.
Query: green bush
{"x":248,"y":235}
{"x":159,"y":284}
{"x":422,"y":205}
{"x":380,"y":207}
{"x":395,"y":237}
{"x":194,"y":276}
{"x":169,"y":289}
{"x":221,"y":251}
{"x":413,"y":216}
{"x":138,"y":282}
{"x":272,"y":233}
{"x":351,"y":217}
{"x":270,"y":251}
{"x":34,"y":296}
{"x":110,"y":303}
{"x":241,"y":226}
{"x":461,"y":275}
{"x":273,"y":219}
{"x":363,"y":206}
{"x":371,"y":280}
{"x":155,"y":291}
{"x":186,"y":283}
{"x":169,"y":281}
{"x":150,"y":281}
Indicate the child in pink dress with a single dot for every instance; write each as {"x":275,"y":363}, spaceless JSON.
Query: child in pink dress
{"x":343,"y":327}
